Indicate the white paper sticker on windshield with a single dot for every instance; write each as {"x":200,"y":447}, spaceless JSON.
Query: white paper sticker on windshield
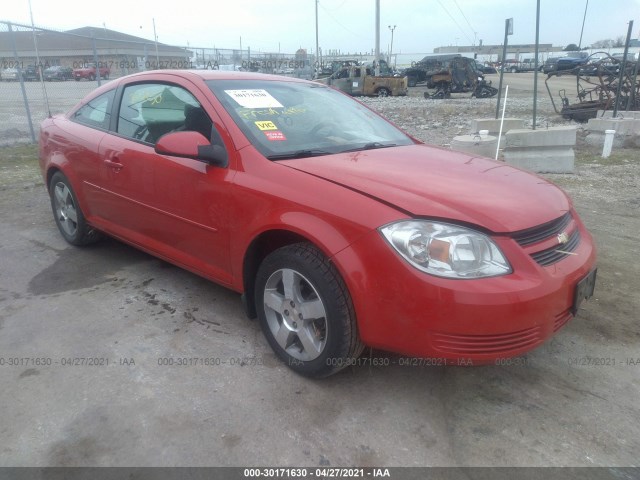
{"x":254,"y":98}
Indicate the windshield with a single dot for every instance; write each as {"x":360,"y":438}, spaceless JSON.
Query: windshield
{"x":285,"y":119}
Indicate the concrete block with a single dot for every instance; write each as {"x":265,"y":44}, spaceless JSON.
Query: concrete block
{"x":621,"y":114}
{"x":493,"y":125}
{"x":547,"y":137}
{"x":484,"y":146}
{"x":548,"y":150}
{"x":543,"y":160}
{"x":627,"y":131}
{"x":622,"y":126}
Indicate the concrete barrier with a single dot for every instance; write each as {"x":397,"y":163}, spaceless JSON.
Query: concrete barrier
{"x":493,"y":125}
{"x":627,"y":130}
{"x":547,"y":150}
{"x":621,"y":114}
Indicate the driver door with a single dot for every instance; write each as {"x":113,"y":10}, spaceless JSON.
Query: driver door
{"x":175,"y":207}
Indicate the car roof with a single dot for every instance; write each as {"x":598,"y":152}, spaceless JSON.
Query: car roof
{"x":192,"y":75}
{"x":211,"y":75}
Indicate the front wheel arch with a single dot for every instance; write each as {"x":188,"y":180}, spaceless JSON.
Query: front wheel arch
{"x":259,"y":248}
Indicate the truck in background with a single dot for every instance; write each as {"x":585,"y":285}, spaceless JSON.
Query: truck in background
{"x":360,"y":80}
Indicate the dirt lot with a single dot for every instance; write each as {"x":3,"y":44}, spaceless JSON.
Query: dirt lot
{"x":571,"y":402}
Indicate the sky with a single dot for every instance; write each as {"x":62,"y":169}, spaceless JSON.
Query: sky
{"x":345,"y":25}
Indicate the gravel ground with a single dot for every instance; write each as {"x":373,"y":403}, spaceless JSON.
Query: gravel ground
{"x":438,"y":121}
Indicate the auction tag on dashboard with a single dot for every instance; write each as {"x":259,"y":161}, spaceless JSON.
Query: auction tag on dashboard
{"x":275,"y":136}
{"x":266,"y":125}
{"x":254,"y":98}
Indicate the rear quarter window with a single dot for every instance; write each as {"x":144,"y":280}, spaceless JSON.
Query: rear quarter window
{"x":97,"y":112}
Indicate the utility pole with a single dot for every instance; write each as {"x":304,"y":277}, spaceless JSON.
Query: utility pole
{"x":317,"y":50}
{"x":535,"y":72}
{"x":155,"y":38}
{"x":377,"y":59}
{"x":583,"y":19}
{"x":391,"y":48}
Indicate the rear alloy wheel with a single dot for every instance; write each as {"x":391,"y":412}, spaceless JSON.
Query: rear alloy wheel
{"x":305,"y":311}
{"x":67,"y":213}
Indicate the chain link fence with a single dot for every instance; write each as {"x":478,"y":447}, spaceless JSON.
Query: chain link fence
{"x":44,"y":71}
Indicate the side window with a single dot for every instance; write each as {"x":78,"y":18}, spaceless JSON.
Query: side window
{"x":96,"y":113}
{"x":150,"y":110}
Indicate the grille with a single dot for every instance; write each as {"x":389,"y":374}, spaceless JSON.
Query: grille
{"x":561,"y":320}
{"x":555,"y":254}
{"x":541,"y":232}
{"x":486,"y":344}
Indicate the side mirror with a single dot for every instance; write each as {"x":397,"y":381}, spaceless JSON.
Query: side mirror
{"x":192,"y":145}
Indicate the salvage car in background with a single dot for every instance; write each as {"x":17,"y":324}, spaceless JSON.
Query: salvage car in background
{"x":58,"y":73}
{"x":338,"y":229}
{"x":360,"y":80}
{"x":90,"y":72}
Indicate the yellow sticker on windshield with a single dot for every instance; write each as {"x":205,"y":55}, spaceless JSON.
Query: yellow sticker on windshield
{"x":266,"y":125}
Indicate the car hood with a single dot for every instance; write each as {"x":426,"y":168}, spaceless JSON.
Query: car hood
{"x":426,"y":181}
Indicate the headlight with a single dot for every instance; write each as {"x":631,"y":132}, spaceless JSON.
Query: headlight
{"x":446,"y":250}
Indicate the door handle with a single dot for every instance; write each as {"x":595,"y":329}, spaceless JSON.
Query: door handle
{"x":117,"y":166}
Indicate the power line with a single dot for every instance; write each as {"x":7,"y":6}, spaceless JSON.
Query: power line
{"x":336,"y":20}
{"x":454,"y":21}
{"x":473,"y":30}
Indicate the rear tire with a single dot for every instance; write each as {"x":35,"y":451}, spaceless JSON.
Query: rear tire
{"x":306,"y":312}
{"x":68,"y":215}
{"x":383,"y":92}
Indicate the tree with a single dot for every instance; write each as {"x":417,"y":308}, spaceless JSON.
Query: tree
{"x":572,"y":47}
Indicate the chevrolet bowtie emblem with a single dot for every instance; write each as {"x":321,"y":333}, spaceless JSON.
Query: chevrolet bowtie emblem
{"x":563,"y":238}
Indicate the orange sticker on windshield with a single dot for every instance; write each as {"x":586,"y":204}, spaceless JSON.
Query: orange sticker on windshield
{"x":266,"y":125}
{"x":275,"y":136}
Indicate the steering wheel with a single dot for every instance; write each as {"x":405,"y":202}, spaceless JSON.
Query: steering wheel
{"x":321,"y":126}
{"x":140,"y":132}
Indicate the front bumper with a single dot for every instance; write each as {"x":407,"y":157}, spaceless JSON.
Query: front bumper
{"x":403,"y":310}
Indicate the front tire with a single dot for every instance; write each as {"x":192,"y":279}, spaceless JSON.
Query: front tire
{"x":67,"y":213}
{"x":306,"y":312}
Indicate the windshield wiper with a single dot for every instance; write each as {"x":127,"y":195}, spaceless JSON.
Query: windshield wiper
{"x":370,"y":146}
{"x":298,"y":154}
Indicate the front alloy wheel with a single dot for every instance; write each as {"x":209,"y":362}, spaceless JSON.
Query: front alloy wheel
{"x":306,"y":312}
{"x":295,"y":314}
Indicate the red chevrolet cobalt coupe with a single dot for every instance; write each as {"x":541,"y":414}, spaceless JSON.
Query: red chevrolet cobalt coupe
{"x":338,"y":229}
